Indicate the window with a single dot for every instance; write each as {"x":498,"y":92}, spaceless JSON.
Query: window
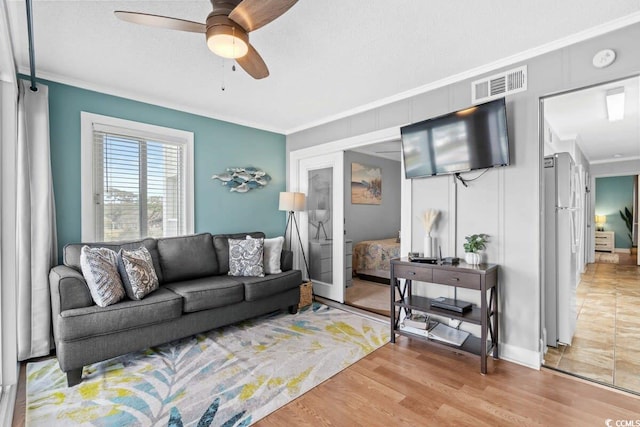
{"x":137,"y":180}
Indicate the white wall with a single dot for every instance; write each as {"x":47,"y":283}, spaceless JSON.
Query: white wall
{"x":505,"y":202}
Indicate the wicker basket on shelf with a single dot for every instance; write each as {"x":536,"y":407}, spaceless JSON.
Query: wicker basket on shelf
{"x":306,"y":294}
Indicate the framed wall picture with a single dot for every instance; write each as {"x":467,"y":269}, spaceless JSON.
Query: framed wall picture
{"x":366,"y":184}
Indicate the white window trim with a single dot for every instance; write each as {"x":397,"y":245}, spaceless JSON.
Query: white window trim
{"x":87,"y":122}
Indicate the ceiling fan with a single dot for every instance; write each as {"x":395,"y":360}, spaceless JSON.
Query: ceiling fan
{"x":227,"y":28}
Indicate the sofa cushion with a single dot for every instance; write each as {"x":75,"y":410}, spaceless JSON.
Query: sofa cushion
{"x":137,"y":272}
{"x":100,"y":269}
{"x":245,"y":257}
{"x":157,"y":307}
{"x":71,"y":252}
{"x":187,"y":257}
{"x":256,"y":288}
{"x":221,"y":244}
{"x":208,"y":292}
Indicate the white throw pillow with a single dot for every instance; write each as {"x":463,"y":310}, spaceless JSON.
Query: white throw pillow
{"x":100,"y":270}
{"x":272,"y":253}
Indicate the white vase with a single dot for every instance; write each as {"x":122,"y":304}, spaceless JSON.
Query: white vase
{"x":428,"y":245}
{"x":472,"y":258}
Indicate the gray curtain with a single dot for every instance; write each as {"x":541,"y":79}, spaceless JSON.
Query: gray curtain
{"x":36,"y":230}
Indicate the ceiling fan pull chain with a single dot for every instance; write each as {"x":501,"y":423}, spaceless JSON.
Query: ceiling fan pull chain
{"x":223,"y":85}
{"x":233,"y":32}
{"x":233,"y":66}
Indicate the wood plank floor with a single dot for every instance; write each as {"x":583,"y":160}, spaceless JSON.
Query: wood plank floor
{"x":411,"y":383}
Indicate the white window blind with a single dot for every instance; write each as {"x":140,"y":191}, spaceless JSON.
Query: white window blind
{"x":139,"y":185}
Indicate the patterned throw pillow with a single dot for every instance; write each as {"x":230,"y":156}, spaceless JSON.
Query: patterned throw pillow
{"x":138,"y":275}
{"x":100,"y":270}
{"x":272,"y":254}
{"x":245,"y":257}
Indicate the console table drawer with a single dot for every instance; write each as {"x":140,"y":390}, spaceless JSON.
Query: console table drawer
{"x":457,"y":278}
{"x":407,"y":272}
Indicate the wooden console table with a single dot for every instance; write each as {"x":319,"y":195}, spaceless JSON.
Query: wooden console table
{"x":483,"y":278}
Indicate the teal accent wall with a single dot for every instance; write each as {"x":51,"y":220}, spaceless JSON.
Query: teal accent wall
{"x":217,"y":145}
{"x":612,"y":195}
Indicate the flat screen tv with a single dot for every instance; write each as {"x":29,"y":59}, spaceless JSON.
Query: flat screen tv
{"x":473,"y":138}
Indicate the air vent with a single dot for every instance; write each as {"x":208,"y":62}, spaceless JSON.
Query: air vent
{"x":499,"y":85}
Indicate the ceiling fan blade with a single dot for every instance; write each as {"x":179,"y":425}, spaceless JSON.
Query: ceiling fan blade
{"x":253,"y":14}
{"x":161,"y":21}
{"x":253,"y":64}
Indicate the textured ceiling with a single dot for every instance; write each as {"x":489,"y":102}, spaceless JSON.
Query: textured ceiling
{"x":582,"y":116}
{"x":326,"y":57}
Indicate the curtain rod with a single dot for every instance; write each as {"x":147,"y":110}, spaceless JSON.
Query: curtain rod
{"x":32,"y":59}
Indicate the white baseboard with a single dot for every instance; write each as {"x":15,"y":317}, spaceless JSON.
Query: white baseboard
{"x":519,"y":355}
{"x":622,"y":250}
{"x":7,"y":403}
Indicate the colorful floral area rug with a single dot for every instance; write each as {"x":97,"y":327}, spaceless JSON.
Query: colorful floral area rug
{"x":231,"y":376}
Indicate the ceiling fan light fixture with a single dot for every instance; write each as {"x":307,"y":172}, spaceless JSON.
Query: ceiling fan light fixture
{"x":225,"y":38}
{"x":227,"y":46}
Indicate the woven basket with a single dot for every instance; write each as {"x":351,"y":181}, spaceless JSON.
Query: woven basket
{"x":306,"y":294}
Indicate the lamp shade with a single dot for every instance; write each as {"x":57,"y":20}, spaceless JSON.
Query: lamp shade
{"x":322,"y":215}
{"x":601,"y":219}
{"x":290,"y":201}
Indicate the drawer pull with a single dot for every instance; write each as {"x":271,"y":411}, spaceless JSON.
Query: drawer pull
{"x":456,"y":279}
{"x":412,"y":273}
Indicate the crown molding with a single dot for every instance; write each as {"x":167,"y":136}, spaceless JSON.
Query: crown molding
{"x":474,"y":72}
{"x":590,"y":33}
{"x":615,"y":160}
{"x":82,"y":84}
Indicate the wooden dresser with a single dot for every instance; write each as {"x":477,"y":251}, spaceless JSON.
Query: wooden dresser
{"x":605,"y":241}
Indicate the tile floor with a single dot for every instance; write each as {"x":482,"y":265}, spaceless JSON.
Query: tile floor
{"x":606,"y":344}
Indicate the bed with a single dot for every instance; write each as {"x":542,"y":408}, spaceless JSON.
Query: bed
{"x":372,"y":259}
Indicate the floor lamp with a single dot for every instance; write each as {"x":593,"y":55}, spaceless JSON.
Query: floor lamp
{"x":291,"y":203}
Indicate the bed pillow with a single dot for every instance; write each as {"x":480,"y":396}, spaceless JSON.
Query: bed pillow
{"x":245,"y":257}
{"x":272,"y":253}
{"x":136,"y":270}
{"x":100,"y":270}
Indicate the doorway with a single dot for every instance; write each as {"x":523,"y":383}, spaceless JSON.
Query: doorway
{"x":603,"y":292}
{"x":373,"y":180}
{"x":300,"y":159}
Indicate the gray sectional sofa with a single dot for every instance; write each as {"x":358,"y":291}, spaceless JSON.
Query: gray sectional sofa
{"x":195,"y":295}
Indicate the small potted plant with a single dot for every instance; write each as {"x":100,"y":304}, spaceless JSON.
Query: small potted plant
{"x":473,"y":244}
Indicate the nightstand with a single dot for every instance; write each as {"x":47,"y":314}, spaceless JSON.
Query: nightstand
{"x":605,"y":241}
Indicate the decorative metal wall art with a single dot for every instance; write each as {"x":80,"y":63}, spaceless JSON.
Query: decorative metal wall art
{"x":242,"y":180}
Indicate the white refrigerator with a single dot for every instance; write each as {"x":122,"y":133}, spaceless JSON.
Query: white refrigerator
{"x":561,"y":241}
